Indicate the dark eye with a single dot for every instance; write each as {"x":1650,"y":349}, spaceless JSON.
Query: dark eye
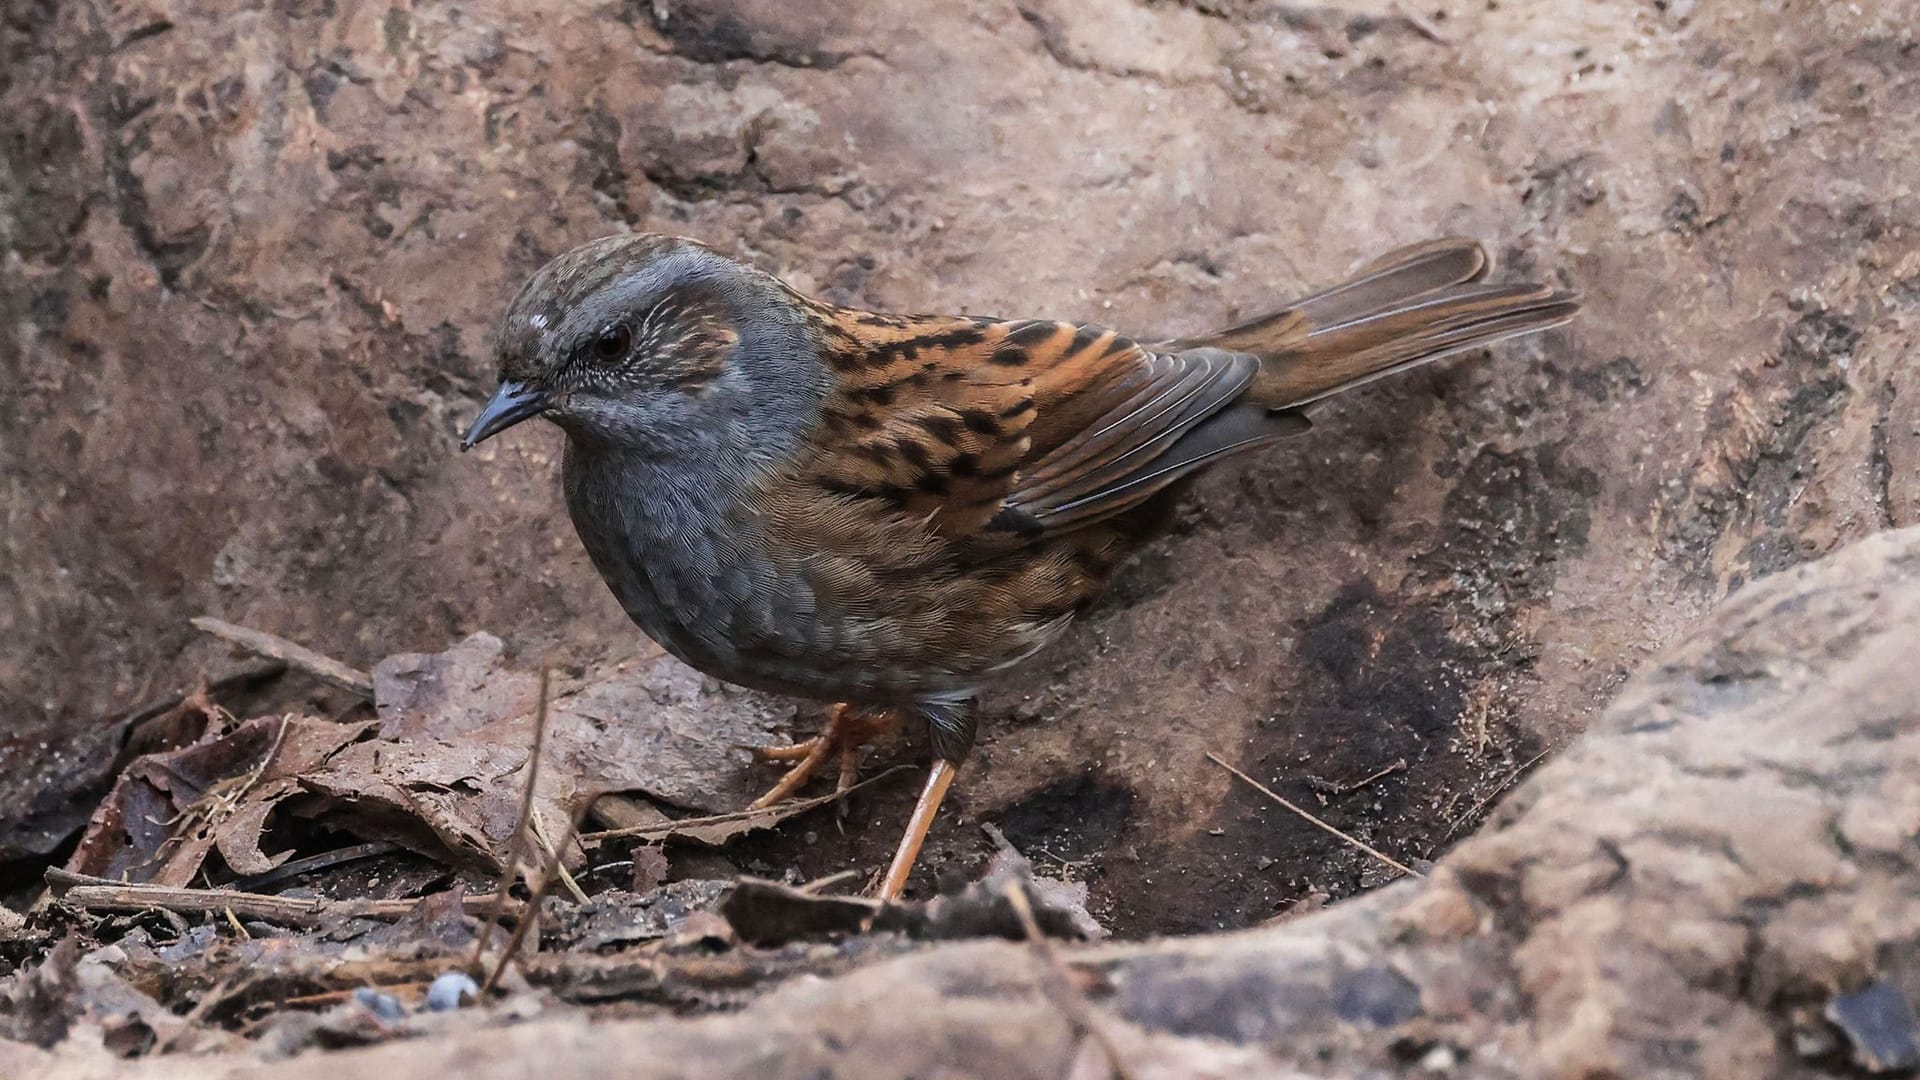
{"x":613,"y":342}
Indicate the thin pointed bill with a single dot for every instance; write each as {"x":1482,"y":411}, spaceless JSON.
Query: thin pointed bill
{"x":512,"y":403}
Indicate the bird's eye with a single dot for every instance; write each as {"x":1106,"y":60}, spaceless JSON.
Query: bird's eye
{"x":613,"y":342}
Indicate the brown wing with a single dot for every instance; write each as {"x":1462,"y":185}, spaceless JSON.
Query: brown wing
{"x":1018,"y":428}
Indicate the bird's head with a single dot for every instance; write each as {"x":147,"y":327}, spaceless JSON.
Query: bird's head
{"x":642,"y":339}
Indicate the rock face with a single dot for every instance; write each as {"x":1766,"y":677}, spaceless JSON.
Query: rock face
{"x":1721,"y":880}
{"x":252,"y":258}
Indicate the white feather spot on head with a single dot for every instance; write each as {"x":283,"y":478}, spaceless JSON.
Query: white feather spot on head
{"x":538,"y":322}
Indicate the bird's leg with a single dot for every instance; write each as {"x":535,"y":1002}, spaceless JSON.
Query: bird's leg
{"x":949,"y":722}
{"x":848,"y":730}
{"x":939,"y":778}
{"x":950,"y":727}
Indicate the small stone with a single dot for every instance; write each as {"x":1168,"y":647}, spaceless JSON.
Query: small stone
{"x":1879,"y":1021}
{"x":382,"y":1005}
{"x":450,"y":991}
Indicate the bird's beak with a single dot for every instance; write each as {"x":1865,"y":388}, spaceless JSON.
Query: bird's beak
{"x":512,"y":403}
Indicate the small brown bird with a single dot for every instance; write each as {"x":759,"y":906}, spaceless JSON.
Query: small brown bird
{"x":884,"y":511}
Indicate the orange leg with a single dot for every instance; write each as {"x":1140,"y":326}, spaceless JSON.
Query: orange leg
{"x":848,"y":730}
{"x":938,"y":780}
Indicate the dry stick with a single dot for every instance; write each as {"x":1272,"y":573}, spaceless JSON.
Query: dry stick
{"x":253,"y":775}
{"x":778,"y":812}
{"x":814,"y":886}
{"x":258,"y":671}
{"x":1271,"y":794}
{"x":1505,"y":786}
{"x":1421,"y":24}
{"x":1331,"y":787}
{"x":1058,"y":981}
{"x":553,"y":852}
{"x":324,"y":668}
{"x":105,"y":894}
{"x":293,"y":868}
{"x":515,"y":842}
{"x":194,"y":1016}
{"x":537,"y":892}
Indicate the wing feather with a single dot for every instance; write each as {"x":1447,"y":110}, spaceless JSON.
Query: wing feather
{"x":983,"y":424}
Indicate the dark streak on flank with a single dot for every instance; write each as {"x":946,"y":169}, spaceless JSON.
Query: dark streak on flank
{"x":942,"y":426}
{"x":915,"y":454}
{"x":892,"y":493}
{"x":981,"y":421}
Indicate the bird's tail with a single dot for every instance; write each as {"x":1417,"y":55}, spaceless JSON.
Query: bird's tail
{"x":1402,"y":310}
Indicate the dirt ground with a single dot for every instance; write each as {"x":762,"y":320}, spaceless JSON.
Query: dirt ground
{"x":1719,"y":880}
{"x":253,"y":257}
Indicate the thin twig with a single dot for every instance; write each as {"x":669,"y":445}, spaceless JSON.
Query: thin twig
{"x":104,"y":894}
{"x":1421,"y":24}
{"x":530,"y":921}
{"x":257,"y":672}
{"x":776,"y":813}
{"x":1058,"y":980}
{"x":253,"y":776}
{"x":195,"y":1016}
{"x":274,"y":647}
{"x":560,"y":867}
{"x":521,"y":927}
{"x":334,"y":997}
{"x":516,"y":842}
{"x":1334,"y":787}
{"x":1505,"y":785}
{"x":326,"y":860}
{"x":1271,"y":794}
{"x":527,"y":857}
{"x":813,"y":887}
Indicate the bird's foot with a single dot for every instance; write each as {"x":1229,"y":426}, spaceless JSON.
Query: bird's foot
{"x":848,"y":731}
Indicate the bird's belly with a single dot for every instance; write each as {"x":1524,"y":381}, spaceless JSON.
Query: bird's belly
{"x":707,"y":599}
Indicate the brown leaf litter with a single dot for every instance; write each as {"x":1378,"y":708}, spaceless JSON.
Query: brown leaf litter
{"x":441,"y":770}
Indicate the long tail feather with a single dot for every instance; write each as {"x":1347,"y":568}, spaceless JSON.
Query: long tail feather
{"x":1407,"y":308}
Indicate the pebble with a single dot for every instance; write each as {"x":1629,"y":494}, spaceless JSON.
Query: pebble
{"x":450,"y":991}
{"x":382,"y":1005}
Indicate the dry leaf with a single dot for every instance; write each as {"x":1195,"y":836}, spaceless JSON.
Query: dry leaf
{"x":445,"y":775}
{"x":457,"y":726}
{"x":450,"y":693}
{"x":167,"y":811}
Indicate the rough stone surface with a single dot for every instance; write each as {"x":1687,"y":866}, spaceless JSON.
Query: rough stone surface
{"x":250,"y":257}
{"x":1688,"y":892}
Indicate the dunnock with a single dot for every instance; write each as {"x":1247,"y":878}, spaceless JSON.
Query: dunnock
{"x":884,"y":511}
